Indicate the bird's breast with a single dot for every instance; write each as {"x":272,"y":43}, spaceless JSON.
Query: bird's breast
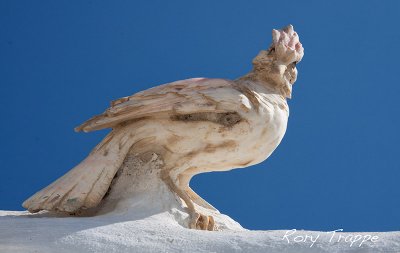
{"x":268,"y":126}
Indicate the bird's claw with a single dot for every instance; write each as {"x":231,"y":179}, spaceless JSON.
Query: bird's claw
{"x":202,"y":222}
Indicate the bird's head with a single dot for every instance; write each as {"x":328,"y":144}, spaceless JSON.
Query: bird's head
{"x":277,"y":65}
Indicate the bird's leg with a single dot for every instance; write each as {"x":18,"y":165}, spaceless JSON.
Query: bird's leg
{"x":184,"y":180}
{"x":197,"y":220}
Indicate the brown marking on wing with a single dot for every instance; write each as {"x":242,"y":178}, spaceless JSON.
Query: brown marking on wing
{"x":211,"y":148}
{"x":184,"y":96}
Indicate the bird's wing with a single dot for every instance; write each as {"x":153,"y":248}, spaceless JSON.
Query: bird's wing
{"x":181,"y":97}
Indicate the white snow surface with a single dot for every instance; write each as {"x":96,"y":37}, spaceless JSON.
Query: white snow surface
{"x":140,"y":214}
{"x":158,"y":232}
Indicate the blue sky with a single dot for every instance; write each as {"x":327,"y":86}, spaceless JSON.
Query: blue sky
{"x":61,"y":62}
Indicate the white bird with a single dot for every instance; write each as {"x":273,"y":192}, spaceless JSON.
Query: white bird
{"x":196,"y":125}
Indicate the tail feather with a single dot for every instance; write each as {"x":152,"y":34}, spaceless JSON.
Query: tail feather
{"x":85,"y":185}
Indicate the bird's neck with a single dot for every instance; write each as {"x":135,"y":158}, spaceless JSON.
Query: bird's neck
{"x":271,"y":77}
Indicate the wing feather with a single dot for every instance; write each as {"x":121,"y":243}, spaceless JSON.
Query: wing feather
{"x":181,"y":97}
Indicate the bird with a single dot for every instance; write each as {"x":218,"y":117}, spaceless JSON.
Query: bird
{"x":196,"y":125}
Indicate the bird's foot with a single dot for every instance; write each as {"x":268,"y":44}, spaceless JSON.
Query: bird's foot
{"x":202,"y":222}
